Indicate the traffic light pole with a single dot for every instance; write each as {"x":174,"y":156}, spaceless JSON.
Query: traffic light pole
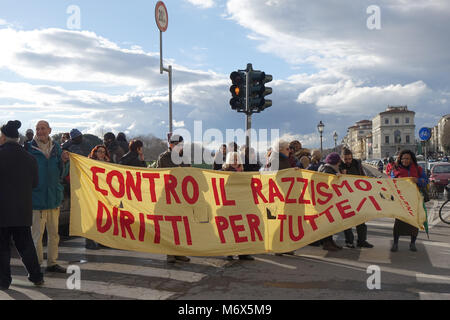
{"x":248,"y":125}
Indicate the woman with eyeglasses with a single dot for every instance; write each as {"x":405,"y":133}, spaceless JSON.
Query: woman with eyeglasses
{"x":407,"y":167}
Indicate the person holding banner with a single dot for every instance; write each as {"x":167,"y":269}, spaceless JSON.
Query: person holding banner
{"x":354,"y":167}
{"x":166,"y":160}
{"x":406,"y":167}
{"x":135,"y":157}
{"x":331,"y":166}
{"x":233,"y":163}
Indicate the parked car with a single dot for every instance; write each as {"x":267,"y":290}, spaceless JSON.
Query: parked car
{"x":439,"y":178}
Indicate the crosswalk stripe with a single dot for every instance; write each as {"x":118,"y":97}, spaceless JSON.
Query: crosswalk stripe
{"x":434,"y":296}
{"x":145,"y":271}
{"x":5,"y":296}
{"x":109,"y":289}
{"x":32,"y":294}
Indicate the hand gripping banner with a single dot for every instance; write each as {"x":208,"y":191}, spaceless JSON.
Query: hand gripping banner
{"x":193,"y":212}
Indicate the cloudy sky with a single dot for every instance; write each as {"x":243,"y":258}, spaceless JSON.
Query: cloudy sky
{"x":328,"y":61}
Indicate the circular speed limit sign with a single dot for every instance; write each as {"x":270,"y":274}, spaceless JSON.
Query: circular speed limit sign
{"x":161,"y":16}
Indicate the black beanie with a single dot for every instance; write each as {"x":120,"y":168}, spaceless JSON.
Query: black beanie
{"x":11,"y":129}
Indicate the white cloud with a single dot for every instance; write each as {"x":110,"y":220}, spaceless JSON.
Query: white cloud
{"x":203,"y":4}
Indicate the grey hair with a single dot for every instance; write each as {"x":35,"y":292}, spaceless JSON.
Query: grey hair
{"x":279,"y":145}
{"x":8,"y":139}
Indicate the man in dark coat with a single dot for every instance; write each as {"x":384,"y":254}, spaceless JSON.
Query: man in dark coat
{"x":166,"y":160}
{"x":114,"y":149}
{"x":19,"y":172}
{"x":354,"y":167}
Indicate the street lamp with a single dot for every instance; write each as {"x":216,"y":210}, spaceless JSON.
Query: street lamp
{"x":335,"y":136}
{"x":321,"y":127}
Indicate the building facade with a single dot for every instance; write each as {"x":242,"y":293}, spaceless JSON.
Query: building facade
{"x":392,"y":131}
{"x":356,"y":139}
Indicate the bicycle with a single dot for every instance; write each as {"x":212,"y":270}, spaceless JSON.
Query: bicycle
{"x":447,"y":197}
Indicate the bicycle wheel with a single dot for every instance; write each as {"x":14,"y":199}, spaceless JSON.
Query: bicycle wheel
{"x":441,"y":213}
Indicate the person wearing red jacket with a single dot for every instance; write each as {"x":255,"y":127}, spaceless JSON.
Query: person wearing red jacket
{"x":389,"y":166}
{"x":406,"y":167}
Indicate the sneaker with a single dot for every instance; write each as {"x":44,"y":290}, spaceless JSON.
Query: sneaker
{"x":246,"y":257}
{"x":171,"y":259}
{"x":394,"y":247}
{"x":230,"y":258}
{"x":413,"y":247}
{"x":365,"y":244}
{"x":182,"y":258}
{"x":56,"y":269}
{"x":350,"y":245}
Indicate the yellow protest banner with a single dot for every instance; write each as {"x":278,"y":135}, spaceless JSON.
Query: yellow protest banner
{"x":187,"y":211}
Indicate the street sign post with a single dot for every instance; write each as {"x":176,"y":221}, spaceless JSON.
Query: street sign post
{"x":425,"y":136}
{"x":162,"y":21}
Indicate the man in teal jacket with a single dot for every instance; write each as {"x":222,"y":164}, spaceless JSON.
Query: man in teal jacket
{"x":47,"y":197}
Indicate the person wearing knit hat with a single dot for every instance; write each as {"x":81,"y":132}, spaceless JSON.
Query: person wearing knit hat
{"x":19,"y":175}
{"x":331,"y":166}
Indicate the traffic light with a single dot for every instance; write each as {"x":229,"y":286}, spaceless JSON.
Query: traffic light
{"x":258,"y":91}
{"x":238,"y":91}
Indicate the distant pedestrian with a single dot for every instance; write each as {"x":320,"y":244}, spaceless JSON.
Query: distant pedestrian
{"x":19,"y":174}
{"x":29,"y":135}
{"x":406,"y":167}
{"x":74,"y":144}
{"x":48,"y":195}
{"x":390,"y":166}
{"x":135,"y":157}
{"x":115,"y":150}
{"x":122,"y":141}
{"x":220,"y":157}
{"x":172,"y":158}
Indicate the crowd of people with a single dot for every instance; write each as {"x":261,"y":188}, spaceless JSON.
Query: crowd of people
{"x":35,"y":174}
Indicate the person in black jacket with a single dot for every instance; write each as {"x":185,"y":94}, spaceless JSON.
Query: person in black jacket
{"x":354,"y":167}
{"x":134,"y":158}
{"x":19,"y":174}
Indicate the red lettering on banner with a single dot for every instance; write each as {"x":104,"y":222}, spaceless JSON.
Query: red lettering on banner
{"x":301,"y":232}
{"x":274,"y":192}
{"x":282,"y":218}
{"x":344,"y":184}
{"x":100,"y":210}
{"x":292,"y":181}
{"x":176,"y":234}
{"x":305,"y":186}
{"x":141,"y":227}
{"x":216,"y":194}
{"x":222,"y":225}
{"x":116,"y":221}
{"x":95,"y":171}
{"x":237,"y":228}
{"x":151,"y":180}
{"x":343,"y":210}
{"x":156,"y":220}
{"x":359,"y":185}
{"x":256,"y":185}
{"x":170,"y":185}
{"x":328,"y":214}
{"x":253,"y":223}
{"x":312,"y":221}
{"x":120,"y":179}
{"x":375,"y":203}
{"x":361,"y":204}
{"x":328,"y":196}
{"x":313,"y":193}
{"x":126,"y":220}
{"x":223,"y":192}
{"x":135,"y":186}
{"x":187,"y":229}
{"x":195,"y":187}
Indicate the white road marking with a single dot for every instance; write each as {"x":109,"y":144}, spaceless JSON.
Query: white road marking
{"x":276,"y":263}
{"x":5,"y":296}
{"x":32,"y":294}
{"x":109,"y":289}
{"x":434,"y":296}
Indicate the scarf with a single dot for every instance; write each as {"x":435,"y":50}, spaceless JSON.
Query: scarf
{"x":45,"y":148}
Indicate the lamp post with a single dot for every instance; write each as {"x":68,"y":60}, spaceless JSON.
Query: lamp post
{"x":335,"y":136}
{"x":321,"y":127}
